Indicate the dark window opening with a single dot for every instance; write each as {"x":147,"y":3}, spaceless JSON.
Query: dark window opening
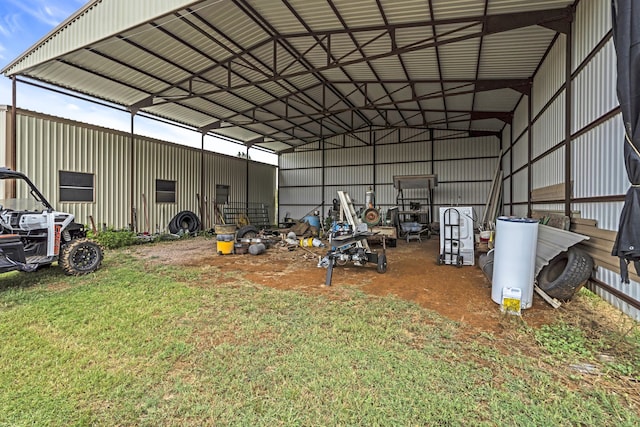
{"x":76,"y":186}
{"x":165,"y":191}
{"x":222,"y":194}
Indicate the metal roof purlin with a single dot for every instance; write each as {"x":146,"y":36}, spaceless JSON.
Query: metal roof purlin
{"x":491,"y":25}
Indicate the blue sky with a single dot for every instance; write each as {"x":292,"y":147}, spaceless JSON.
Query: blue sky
{"x":23,"y":23}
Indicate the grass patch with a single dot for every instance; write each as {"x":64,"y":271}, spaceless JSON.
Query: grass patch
{"x":137,"y":344}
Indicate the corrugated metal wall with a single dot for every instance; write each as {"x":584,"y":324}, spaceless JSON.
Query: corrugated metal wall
{"x":597,"y":168}
{"x":465,"y":168}
{"x":47,"y":145}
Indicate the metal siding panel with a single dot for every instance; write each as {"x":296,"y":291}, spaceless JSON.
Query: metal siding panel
{"x":300,"y":196}
{"x":520,"y":152}
{"x":598,"y":161}
{"x":506,"y":163}
{"x":349,"y":175}
{"x":551,"y":75}
{"x":520,"y":117}
{"x":520,"y":187}
{"x":348,"y":156}
{"x":549,"y":170}
{"x":466,"y":170}
{"x":632,"y":289}
{"x":304,"y":159}
{"x":466,"y":147}
{"x":608,"y":216}
{"x":549,"y":129}
{"x":263,"y":187}
{"x":154,"y":160}
{"x":520,"y":211}
{"x":591,"y":23}
{"x":299,"y":177}
{"x":385,"y":173}
{"x":461,"y":193}
{"x":46,"y":146}
{"x":505,"y":190}
{"x":406,"y":152}
{"x":594,"y":88}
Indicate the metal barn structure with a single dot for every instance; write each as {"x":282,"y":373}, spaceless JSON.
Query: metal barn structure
{"x":165,"y":177}
{"x":351,"y":93}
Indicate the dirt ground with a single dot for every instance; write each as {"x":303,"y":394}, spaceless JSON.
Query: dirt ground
{"x":460,"y":294}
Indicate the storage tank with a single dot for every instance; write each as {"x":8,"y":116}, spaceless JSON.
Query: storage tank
{"x":515,"y":257}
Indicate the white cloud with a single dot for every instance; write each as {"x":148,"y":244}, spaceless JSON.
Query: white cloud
{"x":49,"y":12}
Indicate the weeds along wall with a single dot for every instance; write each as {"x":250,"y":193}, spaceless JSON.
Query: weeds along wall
{"x":573,"y":133}
{"x":353,"y":163}
{"x":167,"y":176}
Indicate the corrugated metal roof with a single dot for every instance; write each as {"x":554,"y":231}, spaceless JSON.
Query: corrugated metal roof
{"x":553,"y":241}
{"x":298,"y":70}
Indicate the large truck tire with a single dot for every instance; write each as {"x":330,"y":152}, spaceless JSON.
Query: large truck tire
{"x":566,"y":274}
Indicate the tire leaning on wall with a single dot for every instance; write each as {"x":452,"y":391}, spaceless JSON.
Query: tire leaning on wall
{"x":184,"y":220}
{"x":566,"y":273}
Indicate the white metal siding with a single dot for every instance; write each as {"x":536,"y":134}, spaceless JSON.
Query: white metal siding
{"x":466,"y":147}
{"x":549,"y":170}
{"x":594,"y":88}
{"x":598,"y":161}
{"x":392,"y":153}
{"x":551,"y":75}
{"x":351,"y":156}
{"x":549,"y":129}
{"x":591,"y":23}
{"x":520,"y":117}
{"x":520,"y":152}
{"x":520,"y":187}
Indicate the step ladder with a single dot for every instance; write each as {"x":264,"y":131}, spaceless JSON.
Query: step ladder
{"x":348,"y":213}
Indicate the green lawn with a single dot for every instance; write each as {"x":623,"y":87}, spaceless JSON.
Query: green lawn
{"x":137,"y":344}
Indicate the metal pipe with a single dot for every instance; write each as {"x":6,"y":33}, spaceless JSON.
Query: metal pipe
{"x":132,"y":175}
{"x":592,"y":283}
{"x":11,"y":149}
{"x":205,"y":226}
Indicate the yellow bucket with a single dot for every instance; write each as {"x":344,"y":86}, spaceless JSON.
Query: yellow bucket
{"x":225,"y":243}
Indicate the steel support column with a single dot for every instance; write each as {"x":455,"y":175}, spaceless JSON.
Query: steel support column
{"x":202,"y":185}
{"x":11,"y":149}
{"x":133,"y":226}
{"x":529,"y":151}
{"x":568,"y":112}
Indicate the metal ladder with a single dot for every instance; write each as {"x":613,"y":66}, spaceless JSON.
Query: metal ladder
{"x":349,"y":213}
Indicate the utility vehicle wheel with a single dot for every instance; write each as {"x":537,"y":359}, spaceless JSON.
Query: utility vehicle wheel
{"x":248,"y":232}
{"x":382,"y":263}
{"x":80,"y":256}
{"x":565,"y":274}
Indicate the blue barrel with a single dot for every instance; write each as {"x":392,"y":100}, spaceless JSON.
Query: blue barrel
{"x":312,"y":220}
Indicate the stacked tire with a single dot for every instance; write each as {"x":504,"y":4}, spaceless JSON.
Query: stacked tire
{"x":186,"y":221}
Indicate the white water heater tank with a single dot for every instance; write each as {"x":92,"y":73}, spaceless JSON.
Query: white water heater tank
{"x":514,"y":259}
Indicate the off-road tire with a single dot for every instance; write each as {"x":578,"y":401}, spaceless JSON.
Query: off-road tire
{"x":80,"y":256}
{"x":565,"y":274}
{"x":248,"y":232}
